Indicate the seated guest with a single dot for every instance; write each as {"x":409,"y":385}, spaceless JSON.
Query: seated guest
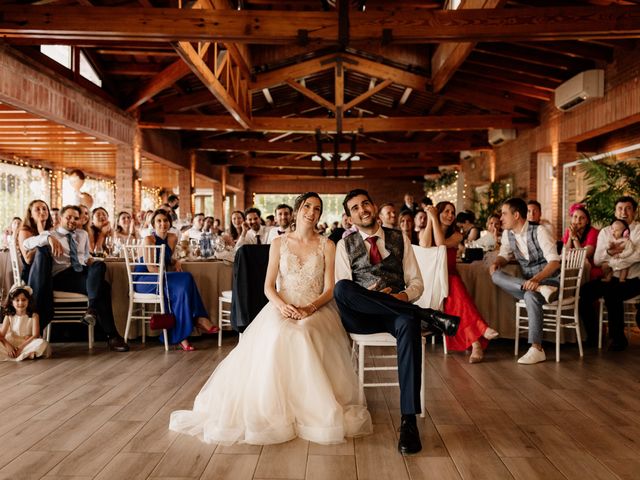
{"x":100,"y":230}
{"x":233,"y":232}
{"x":284,"y":215}
{"x":614,"y":292}
{"x":535,"y":250}
{"x":534,"y":215}
{"x":338,"y":232}
{"x":270,"y":221}
{"x":146,"y":229}
{"x":183,"y":297}
{"x":407,"y":227}
{"x":473,"y":331}
{"x":217,"y":227}
{"x":85,"y":219}
{"x":68,"y":267}
{"x":490,"y":237}
{"x":173,"y":203}
{"x":195,"y":232}
{"x":11,"y":232}
{"x":55,"y":217}
{"x":465,"y":222}
{"x":125,"y":228}
{"x":419,"y":221}
{"x":580,"y":234}
{"x":388,"y":215}
{"x":253,"y":232}
{"x":619,"y":264}
{"x":37,"y":221}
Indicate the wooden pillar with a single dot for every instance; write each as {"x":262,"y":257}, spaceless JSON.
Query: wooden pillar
{"x":218,"y":202}
{"x":561,"y":153}
{"x":128,"y":189}
{"x":185,"y":193}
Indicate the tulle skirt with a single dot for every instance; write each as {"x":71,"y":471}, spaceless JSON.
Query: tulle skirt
{"x":285,"y":379}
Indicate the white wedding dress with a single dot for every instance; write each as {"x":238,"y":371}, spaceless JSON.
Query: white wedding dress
{"x":285,"y":378}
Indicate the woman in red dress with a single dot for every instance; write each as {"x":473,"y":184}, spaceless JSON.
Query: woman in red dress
{"x":473,"y":332}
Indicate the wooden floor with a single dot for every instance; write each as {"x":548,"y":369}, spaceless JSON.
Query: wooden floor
{"x":104,"y":415}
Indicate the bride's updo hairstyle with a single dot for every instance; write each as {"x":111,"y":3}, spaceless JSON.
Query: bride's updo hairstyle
{"x":300,"y":199}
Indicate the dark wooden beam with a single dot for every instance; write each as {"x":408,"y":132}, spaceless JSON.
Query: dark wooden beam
{"x":311,"y":147}
{"x":309,"y":125}
{"x":161,"y":25}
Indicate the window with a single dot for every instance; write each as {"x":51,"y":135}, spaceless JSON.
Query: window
{"x":18,"y":186}
{"x":87,"y":70}
{"x":331,"y":203}
{"x":63,"y":54}
{"x":59,"y":53}
{"x":103,"y":193}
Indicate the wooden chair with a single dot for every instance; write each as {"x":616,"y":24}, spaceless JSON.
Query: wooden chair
{"x":629,"y":315}
{"x":563,"y":313}
{"x":134,"y":257}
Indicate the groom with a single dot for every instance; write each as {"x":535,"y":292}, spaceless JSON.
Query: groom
{"x":377,"y":279}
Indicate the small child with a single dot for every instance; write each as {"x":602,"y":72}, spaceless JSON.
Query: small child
{"x":20,"y":330}
{"x":620,"y":232}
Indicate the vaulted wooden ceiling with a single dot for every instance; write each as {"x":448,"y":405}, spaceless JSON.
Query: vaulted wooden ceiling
{"x":264,"y":85}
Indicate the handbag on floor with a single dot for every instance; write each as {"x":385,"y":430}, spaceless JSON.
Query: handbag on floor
{"x":163,"y":321}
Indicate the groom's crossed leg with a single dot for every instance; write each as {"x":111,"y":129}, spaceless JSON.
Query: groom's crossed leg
{"x":364,"y":312}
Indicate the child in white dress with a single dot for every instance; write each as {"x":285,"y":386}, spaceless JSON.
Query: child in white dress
{"x":20,"y":330}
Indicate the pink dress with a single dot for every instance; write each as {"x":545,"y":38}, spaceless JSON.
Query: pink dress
{"x":592,"y":239}
{"x":460,"y":303}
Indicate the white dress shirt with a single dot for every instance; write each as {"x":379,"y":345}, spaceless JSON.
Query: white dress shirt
{"x":63,"y":261}
{"x":275,"y":233}
{"x":605,"y":238}
{"x":412,"y":278}
{"x":194,"y":234}
{"x":545,"y":239}
{"x":250,"y":237}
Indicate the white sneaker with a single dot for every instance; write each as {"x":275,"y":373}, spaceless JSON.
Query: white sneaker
{"x":549,"y":293}
{"x":532,"y":356}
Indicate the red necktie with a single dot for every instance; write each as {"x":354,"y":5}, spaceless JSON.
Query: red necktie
{"x":374,"y":254}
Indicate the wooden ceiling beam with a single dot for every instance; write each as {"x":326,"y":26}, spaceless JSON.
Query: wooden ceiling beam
{"x":342,"y":172}
{"x":308,"y":164}
{"x":489,"y":100}
{"x":160,"y":82}
{"x":161,"y":25}
{"x":311,"y":147}
{"x":448,"y":57}
{"x":369,"y":93}
{"x":311,"y":95}
{"x":309,"y":125}
{"x":235,"y":105}
{"x":295,"y":71}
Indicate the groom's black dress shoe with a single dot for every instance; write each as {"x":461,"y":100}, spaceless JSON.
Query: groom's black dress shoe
{"x":439,"y":321}
{"x":409,"y":442}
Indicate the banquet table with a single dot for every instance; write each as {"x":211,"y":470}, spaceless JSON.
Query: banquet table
{"x":211,"y":277}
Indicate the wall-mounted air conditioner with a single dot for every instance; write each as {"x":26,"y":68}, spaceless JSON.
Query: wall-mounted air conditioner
{"x":467,"y":155}
{"x":584,"y":86}
{"x":498,"y":136}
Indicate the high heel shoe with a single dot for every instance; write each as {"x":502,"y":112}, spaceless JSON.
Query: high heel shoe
{"x":208,"y":331}
{"x":490,"y":334}
{"x":186,"y":348}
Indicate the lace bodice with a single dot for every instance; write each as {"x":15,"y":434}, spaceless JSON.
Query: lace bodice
{"x":300,"y":281}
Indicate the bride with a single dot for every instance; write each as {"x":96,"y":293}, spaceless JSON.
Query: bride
{"x":291,"y":374}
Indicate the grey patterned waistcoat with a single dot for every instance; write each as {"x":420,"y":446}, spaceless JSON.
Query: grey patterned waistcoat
{"x":536,"y":261}
{"x":389,"y":272}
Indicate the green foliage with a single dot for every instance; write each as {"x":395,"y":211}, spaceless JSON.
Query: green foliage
{"x":489,"y":202}
{"x":445,"y":179}
{"x":609,"y":179}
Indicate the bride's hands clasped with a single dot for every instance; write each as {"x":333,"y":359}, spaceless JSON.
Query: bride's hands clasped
{"x":291,"y":311}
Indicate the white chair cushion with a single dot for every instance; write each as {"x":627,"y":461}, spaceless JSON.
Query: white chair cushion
{"x":145,"y":297}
